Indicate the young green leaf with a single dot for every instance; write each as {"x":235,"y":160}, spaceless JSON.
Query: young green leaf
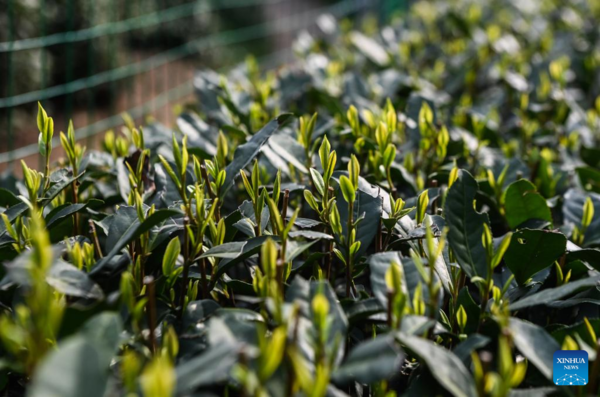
{"x":501,"y":250}
{"x":347,"y":189}
{"x":388,"y":156}
{"x":318,"y":181}
{"x":170,"y":257}
{"x":461,"y":318}
{"x":324,"y":153}
{"x":422,"y":204}
{"x":310,"y":199}
{"x":588,"y":213}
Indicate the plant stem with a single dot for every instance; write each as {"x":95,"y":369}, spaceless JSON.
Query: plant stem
{"x":432,"y":296}
{"x":388,"y":237}
{"x":151,"y":310}
{"x":186,"y":264}
{"x":206,"y":180}
{"x":484,"y":300}
{"x":392,"y":188}
{"x":283,"y":248}
{"x":258,"y":216}
{"x":279,"y":275}
{"x":349,"y":265}
{"x":378,"y":236}
{"x":76,"y":215}
{"x":434,"y":204}
{"x":284,"y":206}
{"x":47,"y":173}
{"x":390,"y":302}
{"x":205,"y":290}
{"x":95,"y":237}
{"x":211,"y":194}
{"x":329,"y":260}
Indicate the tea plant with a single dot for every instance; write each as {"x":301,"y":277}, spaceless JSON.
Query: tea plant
{"x":425,"y":222}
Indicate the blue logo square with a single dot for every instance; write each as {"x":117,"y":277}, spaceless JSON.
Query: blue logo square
{"x":570,"y":368}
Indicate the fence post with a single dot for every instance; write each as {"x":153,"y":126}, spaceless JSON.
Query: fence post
{"x":112,"y":45}
{"x":90,"y":94}
{"x":43,"y":71}
{"x":70,"y":58}
{"x":10,"y":77}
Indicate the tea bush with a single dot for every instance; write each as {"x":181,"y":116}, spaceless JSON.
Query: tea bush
{"x":424,"y":222}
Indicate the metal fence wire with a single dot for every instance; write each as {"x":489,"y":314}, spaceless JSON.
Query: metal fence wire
{"x":92,"y":60}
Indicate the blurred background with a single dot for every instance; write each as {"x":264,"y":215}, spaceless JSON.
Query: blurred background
{"x":92,"y":60}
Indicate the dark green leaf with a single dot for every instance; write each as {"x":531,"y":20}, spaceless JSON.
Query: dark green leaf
{"x":59,"y":180}
{"x":360,"y":310}
{"x":294,"y":248}
{"x":448,"y":369}
{"x":471,"y":308}
{"x":371,"y":361}
{"x":573,"y":213}
{"x":69,"y":280}
{"x":135,"y":230}
{"x":303,"y":292}
{"x":379,"y":264}
{"x":535,"y":344}
{"x":523,"y":203}
{"x":365,"y":205}
{"x":80,"y":365}
{"x":531,"y":251}
{"x":589,"y":178}
{"x":473,"y":342}
{"x":235,"y":252}
{"x":8,"y":198}
{"x":553,"y":294}
{"x":212,"y":367}
{"x":12,"y":214}
{"x":246,"y":152}
{"x":310,"y":235}
{"x":465,"y":225}
{"x":591,"y":256}
{"x":66,"y":210}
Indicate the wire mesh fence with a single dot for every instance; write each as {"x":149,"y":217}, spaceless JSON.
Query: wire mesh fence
{"x":90,"y":60}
